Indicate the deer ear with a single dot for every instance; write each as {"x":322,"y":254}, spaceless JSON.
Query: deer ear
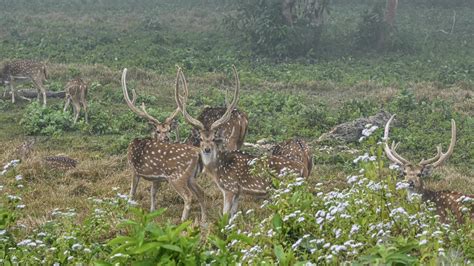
{"x":426,"y":170}
{"x":174,"y":124}
{"x":219,"y":135}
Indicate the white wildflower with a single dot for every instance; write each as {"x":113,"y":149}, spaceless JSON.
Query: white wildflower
{"x":24,"y":242}
{"x":76,"y":246}
{"x":297,"y":243}
{"x":118,"y":255}
{"x":354,"y":229}
{"x":402,"y":185}
{"x":397,"y":212}
{"x":352,"y":179}
{"x":394,"y":167}
{"x":320,"y":220}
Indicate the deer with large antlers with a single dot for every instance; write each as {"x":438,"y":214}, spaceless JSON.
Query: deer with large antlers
{"x":414,"y":173}
{"x":156,"y":159}
{"x":25,"y":70}
{"x":231,"y":170}
{"x":233,"y":132}
{"x":295,"y":149}
{"x":76,"y":91}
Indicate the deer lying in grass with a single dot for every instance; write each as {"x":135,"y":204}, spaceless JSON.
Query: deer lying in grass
{"x":25,"y":70}
{"x":156,"y":159}
{"x":295,"y":149}
{"x":232,"y":170}
{"x":76,"y":91}
{"x":444,"y":200}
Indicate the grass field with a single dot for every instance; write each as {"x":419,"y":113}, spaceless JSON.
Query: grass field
{"x":427,"y":80}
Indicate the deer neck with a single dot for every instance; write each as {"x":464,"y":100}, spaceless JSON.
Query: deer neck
{"x":215,"y":167}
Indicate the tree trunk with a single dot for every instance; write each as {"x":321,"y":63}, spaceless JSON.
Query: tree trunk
{"x":389,"y":22}
{"x":287,"y":11}
{"x":390,"y":12}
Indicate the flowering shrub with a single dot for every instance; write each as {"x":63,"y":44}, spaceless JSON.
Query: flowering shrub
{"x":372,"y":221}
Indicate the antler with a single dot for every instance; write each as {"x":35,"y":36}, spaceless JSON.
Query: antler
{"x":143,"y":113}
{"x":182,"y":105}
{"x":131,"y":103}
{"x":232,"y":105}
{"x":391,"y":153}
{"x":444,"y":156}
{"x":436,"y":161}
{"x":436,"y":157}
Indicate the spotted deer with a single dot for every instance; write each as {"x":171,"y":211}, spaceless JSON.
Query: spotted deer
{"x":233,"y":131}
{"x":156,"y":159}
{"x":25,"y":70}
{"x":295,"y":149}
{"x":444,"y":200}
{"x":231,"y":170}
{"x":76,"y":91}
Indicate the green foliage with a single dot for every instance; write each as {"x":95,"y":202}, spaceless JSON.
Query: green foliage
{"x":151,"y":244}
{"x":262,"y":25}
{"x":371,"y":26}
{"x":51,"y":120}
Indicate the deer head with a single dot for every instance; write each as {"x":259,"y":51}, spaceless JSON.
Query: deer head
{"x":414,"y":173}
{"x":161,"y":130}
{"x":211,"y":137}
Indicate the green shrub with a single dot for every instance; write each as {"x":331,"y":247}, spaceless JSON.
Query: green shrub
{"x":51,"y":120}
{"x":153,"y":244}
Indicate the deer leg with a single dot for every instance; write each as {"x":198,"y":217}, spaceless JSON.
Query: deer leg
{"x":228,"y":200}
{"x":84,"y":105}
{"x":12,"y":90}
{"x":68,"y":101}
{"x":154,"y":189}
{"x":41,"y":90}
{"x":186,"y":195}
{"x":234,"y":205}
{"x":199,"y":194}
{"x":77,"y":111}
{"x":133,"y":189}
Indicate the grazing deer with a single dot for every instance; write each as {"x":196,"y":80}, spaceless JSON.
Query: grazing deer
{"x":76,"y":91}
{"x":233,"y":131}
{"x":232,"y":170}
{"x":25,"y":70}
{"x":156,"y":159}
{"x":414,"y":174}
{"x":295,"y":149}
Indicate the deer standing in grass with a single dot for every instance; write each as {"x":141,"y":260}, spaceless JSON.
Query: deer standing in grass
{"x":156,"y":159}
{"x":76,"y":91}
{"x":232,"y":170}
{"x":295,"y":149}
{"x":25,"y":70}
{"x":233,"y":131}
{"x":414,"y":173}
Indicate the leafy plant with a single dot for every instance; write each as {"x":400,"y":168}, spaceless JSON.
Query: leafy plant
{"x":49,"y":120}
{"x":151,"y":244}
